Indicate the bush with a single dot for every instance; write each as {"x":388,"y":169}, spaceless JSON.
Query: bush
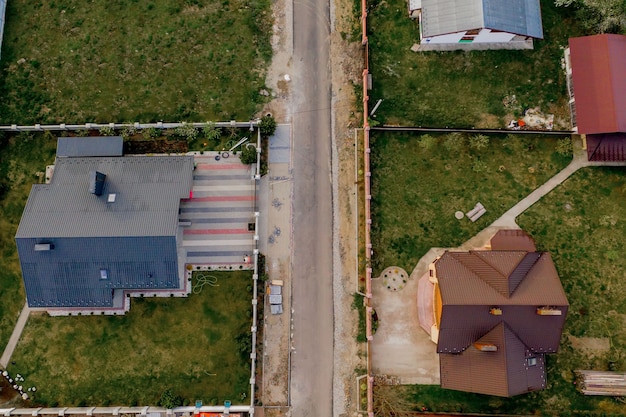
{"x":211,"y":132}
{"x":479,"y":142}
{"x":564,"y":147}
{"x":267,"y":125}
{"x":427,"y":142}
{"x":151,"y":133}
{"x":127,"y":132}
{"x":454,"y":142}
{"x":187,"y":131}
{"x":248,"y":155}
{"x":169,"y":400}
{"x":107,"y":131}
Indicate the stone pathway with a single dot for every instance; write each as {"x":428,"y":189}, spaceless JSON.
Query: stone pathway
{"x":15,"y":336}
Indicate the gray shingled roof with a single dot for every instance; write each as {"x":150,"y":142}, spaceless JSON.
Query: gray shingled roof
{"x":148,"y":192}
{"x":521,"y":17}
{"x":90,"y":146}
{"x":132,"y":239}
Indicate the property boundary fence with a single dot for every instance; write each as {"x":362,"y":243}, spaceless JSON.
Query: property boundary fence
{"x":135,"y":125}
{"x":367,"y":300}
{"x":471,"y":130}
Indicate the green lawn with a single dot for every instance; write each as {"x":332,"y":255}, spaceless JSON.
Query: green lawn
{"x":21,"y":158}
{"x":420,"y":181}
{"x":198,"y":347}
{"x":581,"y":223}
{"x":102,"y":61}
{"x":464,"y":89}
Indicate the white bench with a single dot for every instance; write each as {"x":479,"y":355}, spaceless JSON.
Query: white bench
{"x":475,"y":213}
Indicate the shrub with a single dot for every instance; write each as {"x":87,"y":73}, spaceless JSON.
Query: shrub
{"x":454,"y":142}
{"x":151,"y":133}
{"x":564,"y":147}
{"x":82,"y":133}
{"x":107,"y":131}
{"x":427,"y":142}
{"x":212,"y":132}
{"x":479,"y":142}
{"x":479,"y":166}
{"x":127,"y":132}
{"x":248,"y":155}
{"x":187,"y":131}
{"x":169,"y":400}
{"x":267,"y":125}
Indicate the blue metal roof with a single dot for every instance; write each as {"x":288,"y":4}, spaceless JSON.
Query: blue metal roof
{"x":69,"y":274}
{"x":522,"y":17}
{"x":90,"y":146}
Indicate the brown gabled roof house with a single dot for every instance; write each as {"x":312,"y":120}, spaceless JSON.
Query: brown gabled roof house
{"x":497,"y":313}
{"x":596,"y":75}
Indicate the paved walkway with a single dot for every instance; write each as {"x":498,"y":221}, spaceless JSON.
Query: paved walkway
{"x":219,"y":213}
{"x":276,"y":236}
{"x":579,"y":161}
{"x":15,"y":336}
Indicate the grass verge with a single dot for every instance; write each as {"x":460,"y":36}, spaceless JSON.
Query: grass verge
{"x":133,"y":61}
{"x":420,"y":181}
{"x":198,"y":347}
{"x":23,"y":160}
{"x":465,"y":89}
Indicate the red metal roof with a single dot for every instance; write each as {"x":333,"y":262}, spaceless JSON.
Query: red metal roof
{"x":599,"y":77}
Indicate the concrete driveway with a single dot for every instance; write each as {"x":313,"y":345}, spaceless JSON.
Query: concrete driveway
{"x":401,"y":348}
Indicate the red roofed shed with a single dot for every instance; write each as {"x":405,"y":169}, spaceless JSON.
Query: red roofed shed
{"x":599,"y":82}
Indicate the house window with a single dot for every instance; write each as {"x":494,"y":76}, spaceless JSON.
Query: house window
{"x":104,"y":274}
{"x":466,"y":39}
{"x":532,"y":361}
{"x":473,"y":32}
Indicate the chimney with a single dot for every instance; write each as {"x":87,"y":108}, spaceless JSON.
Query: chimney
{"x":96,"y":182}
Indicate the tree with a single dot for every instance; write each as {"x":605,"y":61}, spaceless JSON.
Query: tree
{"x":267,"y":125}
{"x":248,"y":154}
{"x":604,"y":16}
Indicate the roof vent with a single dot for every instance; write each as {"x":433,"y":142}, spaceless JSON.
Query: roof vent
{"x":111,"y":198}
{"x":549,"y":311}
{"x":96,"y":182}
{"x":486,"y":347}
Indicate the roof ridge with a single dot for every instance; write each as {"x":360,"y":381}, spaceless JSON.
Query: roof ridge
{"x":480,"y":276}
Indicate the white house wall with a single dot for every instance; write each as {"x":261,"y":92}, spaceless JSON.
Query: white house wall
{"x":484,"y":36}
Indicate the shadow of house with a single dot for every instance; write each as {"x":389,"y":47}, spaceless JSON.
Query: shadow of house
{"x":105,"y":225}
{"x":596,"y":79}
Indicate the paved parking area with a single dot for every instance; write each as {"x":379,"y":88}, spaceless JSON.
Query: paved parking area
{"x":216,"y":219}
{"x":400,"y":347}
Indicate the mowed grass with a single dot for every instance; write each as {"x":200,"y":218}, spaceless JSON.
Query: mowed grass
{"x":416,"y":189}
{"x":198,"y":347}
{"x":464,"y":89}
{"x":101,"y":61}
{"x":582,"y":224}
{"x":21,"y":158}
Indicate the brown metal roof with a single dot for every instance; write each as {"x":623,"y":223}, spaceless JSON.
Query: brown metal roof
{"x":606,"y":147}
{"x":598,"y":68}
{"x":514,"y":239}
{"x":515,"y":282}
{"x":504,"y":372}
